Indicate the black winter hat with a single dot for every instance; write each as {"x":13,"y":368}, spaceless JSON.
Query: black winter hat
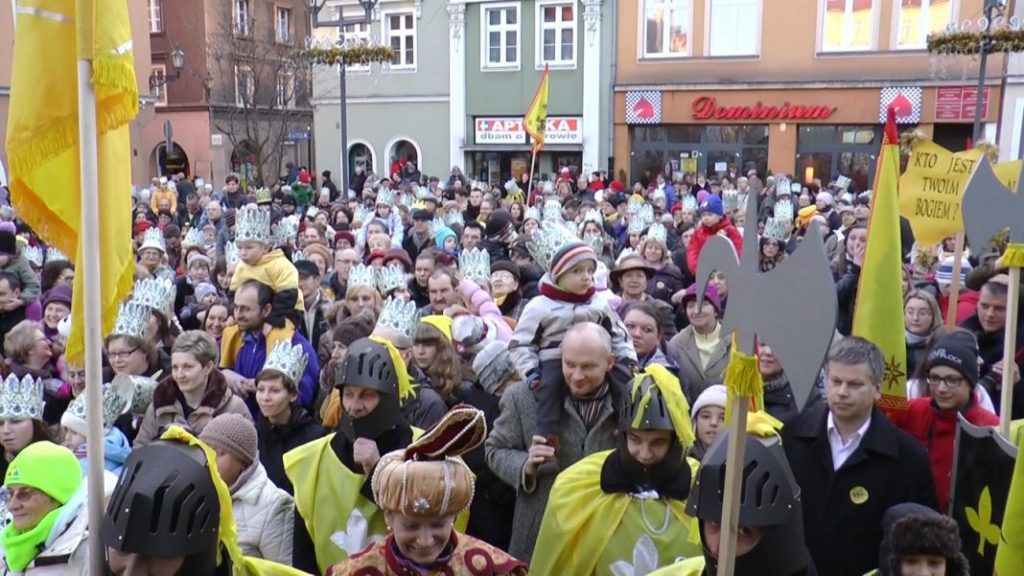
{"x":957,"y":350}
{"x":421,"y":214}
{"x":932,"y":535}
{"x":498,"y":224}
{"x":8,"y":243}
{"x":307,"y":268}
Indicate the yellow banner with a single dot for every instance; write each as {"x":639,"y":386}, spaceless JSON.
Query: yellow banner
{"x":933,"y":185}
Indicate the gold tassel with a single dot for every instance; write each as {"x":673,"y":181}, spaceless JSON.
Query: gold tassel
{"x":912,"y":138}
{"x":1013,"y":257}
{"x":742,"y":378}
{"x":990,"y":150}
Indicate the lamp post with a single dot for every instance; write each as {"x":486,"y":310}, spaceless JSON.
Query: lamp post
{"x":992,"y":7}
{"x":341,"y":22}
{"x":177,"y":63}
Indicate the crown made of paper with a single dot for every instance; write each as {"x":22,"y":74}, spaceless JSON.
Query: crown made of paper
{"x":390,"y":278}
{"x":132,"y":320}
{"x":289,"y":360}
{"x":298,"y":255}
{"x":436,"y":224}
{"x":117,"y":400}
{"x":636,"y":225}
{"x":511,"y":186}
{"x":626,"y":253}
{"x":646,"y":214}
{"x":362,"y":275}
{"x":690,"y":203}
{"x":142,"y":388}
{"x":552,"y":210}
{"x":263,"y":196}
{"x":547,"y":240}
{"x":282,"y":231}
{"x":782,"y":185}
{"x":34,"y":255}
{"x":531,"y":213}
{"x":361,"y":214}
{"x":593,"y":215}
{"x":784,"y":211}
{"x":231,"y":256}
{"x":423,"y":193}
{"x":475,"y":264}
{"x":400,"y":316}
{"x":657,"y":232}
{"x":156,"y":293}
{"x":635,"y":204}
{"x":194,"y":237}
{"x":403,"y":199}
{"x":153,"y":238}
{"x":386,"y":196}
{"x":453,"y":218}
{"x":595,"y":241}
{"x":775,"y":229}
{"x":252,"y":225}
{"x":21,"y":398}
{"x":730,"y":200}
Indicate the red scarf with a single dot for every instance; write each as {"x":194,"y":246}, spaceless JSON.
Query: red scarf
{"x":556,"y":293}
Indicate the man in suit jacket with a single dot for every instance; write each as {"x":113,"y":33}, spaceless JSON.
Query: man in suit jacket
{"x":852,"y":464}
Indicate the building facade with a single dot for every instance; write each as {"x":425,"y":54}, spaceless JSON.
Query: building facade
{"x":499,"y":51}
{"x":397,"y":112}
{"x":725,"y":86}
{"x":241,"y":103}
{"x":1011,"y":126}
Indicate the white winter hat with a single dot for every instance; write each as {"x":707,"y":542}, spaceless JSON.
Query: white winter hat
{"x":715,"y":395}
{"x":493,"y":366}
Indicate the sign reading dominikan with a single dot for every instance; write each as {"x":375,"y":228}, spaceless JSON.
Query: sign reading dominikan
{"x":509,"y":130}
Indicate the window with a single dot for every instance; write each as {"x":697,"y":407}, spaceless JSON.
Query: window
{"x":243,"y":26}
{"x":283,"y":22}
{"x":156,"y":16}
{"x":667,"y":26}
{"x":358,"y":35}
{"x":735,"y":28}
{"x":500,"y":36}
{"x":557,"y":34}
{"x":400,"y":30}
{"x":848,"y":25}
{"x":245,"y":88}
{"x":285,"y":90}
{"x":159,"y":72}
{"x":917,"y":19}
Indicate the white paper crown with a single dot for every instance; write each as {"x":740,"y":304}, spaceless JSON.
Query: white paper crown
{"x":782,"y":185}
{"x":475,"y":264}
{"x":596,"y":242}
{"x":423,"y":193}
{"x":637,"y":225}
{"x":657,"y":232}
{"x":646,"y":214}
{"x":775,"y":229}
{"x":690,"y":203}
{"x":153,"y":238}
{"x":531,"y":213}
{"x":593,"y":215}
{"x":142,"y":390}
{"x":132,"y":320}
{"x":34,"y":255}
{"x":547,"y":240}
{"x":117,"y":400}
{"x":436,"y":224}
{"x":784,"y":211}
{"x":298,"y":255}
{"x":362,"y":275}
{"x":284,"y":230}
{"x":156,"y":293}
{"x":21,"y":398}
{"x":635,"y":204}
{"x":361,"y":214}
{"x":626,"y":253}
{"x":730,"y":200}
{"x":194,"y":237}
{"x":289,"y":360}
{"x":400,"y":316}
{"x":231,"y":254}
{"x":552,"y":210}
{"x":252,"y":225}
{"x":386,"y":197}
{"x":389,"y":278}
{"x":453,"y":218}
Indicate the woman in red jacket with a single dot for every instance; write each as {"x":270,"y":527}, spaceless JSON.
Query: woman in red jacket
{"x":951,"y":373}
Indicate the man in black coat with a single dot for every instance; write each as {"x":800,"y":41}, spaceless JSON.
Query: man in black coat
{"x":852,"y":464}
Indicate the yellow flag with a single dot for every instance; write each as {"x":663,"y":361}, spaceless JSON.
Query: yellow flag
{"x":878,"y":314}
{"x":536,"y":117}
{"x":42,"y":137}
{"x":1010,"y":553}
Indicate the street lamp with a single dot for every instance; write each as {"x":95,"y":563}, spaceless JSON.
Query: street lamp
{"x":341,"y":22}
{"x":177,"y":62}
{"x":991,"y":8}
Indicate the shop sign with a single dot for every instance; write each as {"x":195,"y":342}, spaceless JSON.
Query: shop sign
{"x":705,"y":108}
{"x":563,"y":130}
{"x":958,"y":103}
{"x":510,"y":130}
{"x":905,"y":99}
{"x":643,"y":107}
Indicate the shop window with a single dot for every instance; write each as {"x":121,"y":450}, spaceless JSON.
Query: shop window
{"x":556,"y":34}
{"x":683,"y":133}
{"x":735,"y":28}
{"x":360,"y":156}
{"x":825,"y":151}
{"x":916,"y":19}
{"x":400,"y":30}
{"x":724,"y":134}
{"x":500,"y":36}
{"x":811,"y":136}
{"x":678,"y":149}
{"x":856,"y":135}
{"x":847,"y":25}
{"x":667,"y":25}
{"x":755,"y":135}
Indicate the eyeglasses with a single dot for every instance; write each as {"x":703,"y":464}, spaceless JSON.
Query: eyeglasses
{"x":23,"y":495}
{"x":122,"y":355}
{"x":951,"y":382}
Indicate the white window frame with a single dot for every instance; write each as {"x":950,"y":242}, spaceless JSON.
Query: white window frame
{"x":559,"y":27}
{"x":358,"y":35}
{"x":285,"y":91}
{"x":242,"y":23}
{"x":642,"y":34}
{"x":155,"y":11}
{"x":925,"y":7}
{"x":159,"y":71}
{"x":758,"y":27}
{"x":485,"y":30}
{"x":250,"y":89}
{"x":873,"y":45}
{"x":387,"y":32}
{"x":286,"y":37}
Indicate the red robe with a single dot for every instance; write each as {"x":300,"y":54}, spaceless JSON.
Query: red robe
{"x":471,"y":557}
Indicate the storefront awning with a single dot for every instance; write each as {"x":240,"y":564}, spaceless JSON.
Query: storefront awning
{"x":522,"y":148}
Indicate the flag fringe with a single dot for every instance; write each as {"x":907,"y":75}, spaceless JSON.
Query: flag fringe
{"x":32,"y":209}
{"x":43,"y":145}
{"x":115,"y":74}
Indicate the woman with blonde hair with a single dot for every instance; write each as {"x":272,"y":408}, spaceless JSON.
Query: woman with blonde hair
{"x":434,"y":357}
{"x":667,"y":279}
{"x":923,"y":320}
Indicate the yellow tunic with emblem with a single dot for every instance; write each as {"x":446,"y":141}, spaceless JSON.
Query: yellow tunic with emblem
{"x":273,"y":269}
{"x":587,"y":531}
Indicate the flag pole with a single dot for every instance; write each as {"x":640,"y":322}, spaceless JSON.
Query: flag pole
{"x":530,"y":200}
{"x":88,"y":266}
{"x":954,"y":286}
{"x":1009,"y":352}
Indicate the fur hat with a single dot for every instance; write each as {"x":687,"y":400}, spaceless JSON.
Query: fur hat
{"x":354,"y":327}
{"x":933,"y":535}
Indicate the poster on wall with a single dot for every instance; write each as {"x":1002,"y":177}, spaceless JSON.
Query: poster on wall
{"x":643,"y":107}
{"x":905,"y":99}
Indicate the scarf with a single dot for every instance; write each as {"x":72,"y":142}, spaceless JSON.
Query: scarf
{"x":243,"y":477}
{"x":21,"y":548}
{"x":915,"y":339}
{"x":555,"y":293}
{"x":589,"y":407}
{"x":706,"y":344}
{"x":776,"y":383}
{"x":412,"y":567}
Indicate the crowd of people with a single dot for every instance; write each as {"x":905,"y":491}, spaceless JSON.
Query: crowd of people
{"x":439,"y":375}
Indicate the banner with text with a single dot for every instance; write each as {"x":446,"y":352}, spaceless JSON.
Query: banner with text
{"x":933,"y":185}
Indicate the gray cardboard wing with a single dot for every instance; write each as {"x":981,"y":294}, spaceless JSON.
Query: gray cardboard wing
{"x":989,"y":206}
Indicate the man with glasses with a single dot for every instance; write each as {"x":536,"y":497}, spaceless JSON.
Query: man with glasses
{"x":344,"y":260}
{"x":852,"y":464}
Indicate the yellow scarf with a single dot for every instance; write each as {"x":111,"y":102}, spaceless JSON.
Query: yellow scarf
{"x":232,"y":338}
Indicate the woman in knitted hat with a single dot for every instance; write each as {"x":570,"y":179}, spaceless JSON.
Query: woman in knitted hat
{"x":264,"y":514}
{"x":700,"y":349}
{"x":951,"y":373}
{"x":708,"y":415}
{"x":56,"y":307}
{"x":45,"y":496}
{"x":506,"y":289}
{"x":421,"y":489}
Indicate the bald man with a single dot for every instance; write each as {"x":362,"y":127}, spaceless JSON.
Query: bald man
{"x":519,"y":455}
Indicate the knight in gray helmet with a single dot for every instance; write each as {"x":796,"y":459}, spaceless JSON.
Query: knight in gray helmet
{"x":332,"y":475}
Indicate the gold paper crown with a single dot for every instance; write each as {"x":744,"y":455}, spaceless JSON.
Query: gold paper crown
{"x":263,"y":196}
{"x":34,"y":255}
{"x":361,"y":275}
{"x":194,"y":237}
{"x":289,"y":360}
{"x":252,"y":225}
{"x":531,"y":213}
{"x":132,"y":320}
{"x":153,"y":238}
{"x":231,"y":254}
{"x":475,"y":264}
{"x":690,"y":203}
{"x":784,"y":210}
{"x":156,"y":293}
{"x":657,"y":232}
{"x":54,"y":255}
{"x":21,"y":398}
{"x":547,"y":241}
{"x":389,"y":278}
{"x":730,"y":200}
{"x":775,"y":229}
{"x":118,"y":397}
{"x":400,"y":316}
{"x":385,"y":196}
{"x":552,"y":210}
